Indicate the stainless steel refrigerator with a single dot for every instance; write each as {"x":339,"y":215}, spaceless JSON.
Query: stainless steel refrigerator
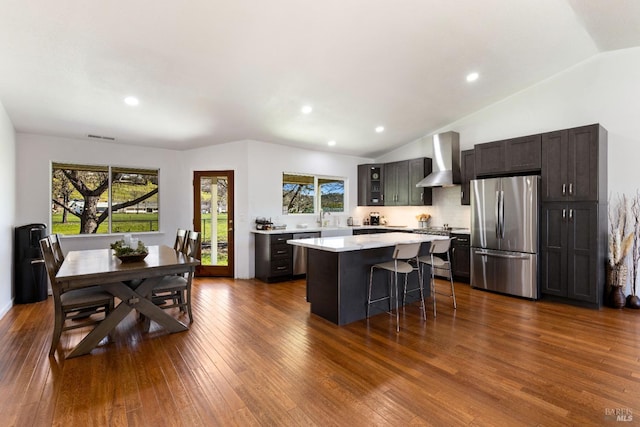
{"x":504,"y":235}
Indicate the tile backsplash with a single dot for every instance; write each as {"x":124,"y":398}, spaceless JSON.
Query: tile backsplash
{"x":446,"y":209}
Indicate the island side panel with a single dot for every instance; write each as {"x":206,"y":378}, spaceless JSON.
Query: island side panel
{"x":354,"y":269}
{"x":322,"y":283}
{"x":337,"y":283}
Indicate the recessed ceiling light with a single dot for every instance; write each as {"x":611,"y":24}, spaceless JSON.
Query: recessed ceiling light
{"x":472,"y":77}
{"x":380,"y":129}
{"x":131,"y":100}
{"x":307,"y":109}
{"x":331,"y":143}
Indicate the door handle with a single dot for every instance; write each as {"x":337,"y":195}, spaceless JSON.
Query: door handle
{"x":500,"y":255}
{"x":564,"y":214}
{"x":570,"y":214}
{"x":570,"y":188}
{"x":564,"y":189}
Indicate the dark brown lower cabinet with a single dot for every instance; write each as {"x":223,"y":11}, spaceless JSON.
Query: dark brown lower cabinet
{"x":273,"y":257}
{"x":461,"y":257}
{"x":573,"y":251}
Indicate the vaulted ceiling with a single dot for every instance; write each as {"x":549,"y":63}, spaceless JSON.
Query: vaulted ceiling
{"x":213,"y":71}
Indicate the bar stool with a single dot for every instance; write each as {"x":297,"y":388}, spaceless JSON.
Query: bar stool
{"x":440,"y":246}
{"x":401,"y":254}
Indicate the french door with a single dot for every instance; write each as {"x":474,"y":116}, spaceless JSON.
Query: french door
{"x":213,"y":218}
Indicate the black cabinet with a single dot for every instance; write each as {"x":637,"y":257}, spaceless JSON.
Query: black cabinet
{"x":468,"y":172}
{"x":461,"y":256}
{"x":273,"y":257}
{"x":396,"y":183}
{"x":574,"y":164}
{"x":418,"y":169}
{"x":370,"y":185}
{"x":573,"y":242}
{"x":510,"y":156}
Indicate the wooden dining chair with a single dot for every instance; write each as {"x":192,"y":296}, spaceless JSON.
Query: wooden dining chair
{"x":175,"y":291}
{"x":72,"y":304}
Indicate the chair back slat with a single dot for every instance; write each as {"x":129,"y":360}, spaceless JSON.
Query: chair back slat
{"x":58,"y":254}
{"x":49,"y":261}
{"x":192,"y":245}
{"x":181,"y":238}
{"x":406,"y":250}
{"x":440,"y":246}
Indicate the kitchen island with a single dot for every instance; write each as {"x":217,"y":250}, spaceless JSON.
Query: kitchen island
{"x":338,"y":273}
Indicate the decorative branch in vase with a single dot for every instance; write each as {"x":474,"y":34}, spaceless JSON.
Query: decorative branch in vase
{"x":633,"y":301}
{"x":620,"y":243}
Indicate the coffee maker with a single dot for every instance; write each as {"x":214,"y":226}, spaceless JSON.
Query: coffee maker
{"x":374,"y":218}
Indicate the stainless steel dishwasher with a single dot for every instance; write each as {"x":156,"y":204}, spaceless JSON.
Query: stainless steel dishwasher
{"x":300,"y":253}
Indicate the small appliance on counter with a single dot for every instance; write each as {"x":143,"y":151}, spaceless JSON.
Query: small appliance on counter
{"x":263,"y":224}
{"x":374,"y":218}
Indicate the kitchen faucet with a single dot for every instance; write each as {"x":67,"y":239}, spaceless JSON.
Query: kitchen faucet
{"x":321,"y":219}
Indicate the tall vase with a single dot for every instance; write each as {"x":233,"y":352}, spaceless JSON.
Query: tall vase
{"x":617,"y":299}
{"x":617,"y":280}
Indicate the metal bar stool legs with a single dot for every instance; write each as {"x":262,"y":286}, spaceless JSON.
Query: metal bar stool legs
{"x":440,"y":246}
{"x":401,"y":253}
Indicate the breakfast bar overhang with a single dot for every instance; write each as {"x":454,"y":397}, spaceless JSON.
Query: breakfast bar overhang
{"x":338,"y":272}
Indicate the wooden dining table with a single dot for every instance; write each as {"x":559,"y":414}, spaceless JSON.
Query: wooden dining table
{"x":132,"y":283}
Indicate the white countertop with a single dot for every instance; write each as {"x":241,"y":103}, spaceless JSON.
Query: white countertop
{"x":319,"y":229}
{"x":363,"y":241}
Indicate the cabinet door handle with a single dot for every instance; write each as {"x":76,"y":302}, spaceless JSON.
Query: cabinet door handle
{"x":564,"y":213}
{"x":462,"y":194}
{"x":570,"y":214}
{"x":570,"y":188}
{"x":564,"y":189}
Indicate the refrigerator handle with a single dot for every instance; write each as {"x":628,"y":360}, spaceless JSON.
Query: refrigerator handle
{"x":501,"y":219}
{"x":497,"y":214}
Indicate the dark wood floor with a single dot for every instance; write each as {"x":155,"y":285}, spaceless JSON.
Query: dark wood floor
{"x":255,"y":356}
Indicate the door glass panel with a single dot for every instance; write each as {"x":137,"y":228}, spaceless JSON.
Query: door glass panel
{"x":213,"y":220}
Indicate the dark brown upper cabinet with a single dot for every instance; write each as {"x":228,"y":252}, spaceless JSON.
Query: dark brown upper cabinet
{"x":510,"y":156}
{"x":574,"y":164}
{"x":370,"y":185}
{"x":418,"y":169}
{"x":394,"y":183}
{"x":467,"y":173}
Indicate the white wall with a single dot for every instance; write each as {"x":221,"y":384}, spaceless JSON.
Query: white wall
{"x":258,"y":168}
{"x":36,"y":152}
{"x":7,"y":209}
{"x":604,"y":89}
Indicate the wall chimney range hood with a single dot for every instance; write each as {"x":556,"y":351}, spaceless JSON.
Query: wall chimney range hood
{"x":446,"y":161}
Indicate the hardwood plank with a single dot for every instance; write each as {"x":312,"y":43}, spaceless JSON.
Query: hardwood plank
{"x":256,"y":356}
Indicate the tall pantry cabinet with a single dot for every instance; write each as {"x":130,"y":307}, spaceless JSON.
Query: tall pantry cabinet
{"x":573,"y":215}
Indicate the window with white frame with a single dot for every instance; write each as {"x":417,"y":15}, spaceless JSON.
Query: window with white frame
{"x":307,"y":194}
